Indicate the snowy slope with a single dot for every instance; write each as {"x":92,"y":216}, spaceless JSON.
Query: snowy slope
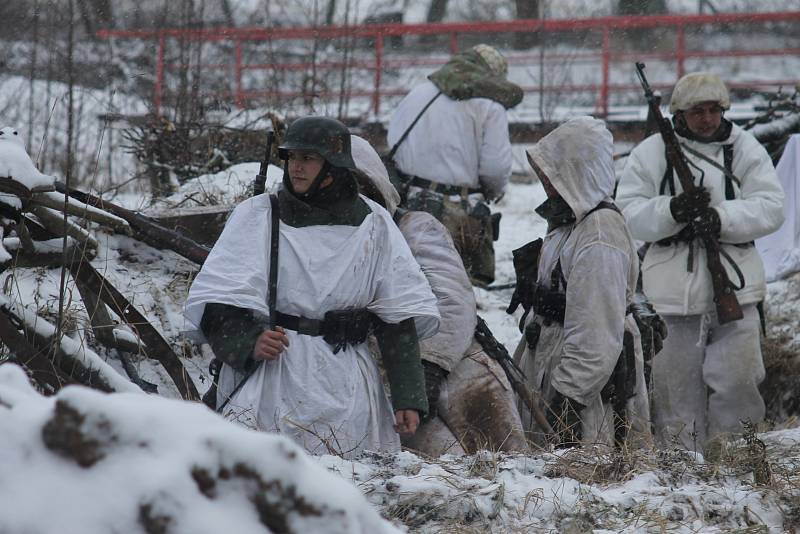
{"x":150,"y":445}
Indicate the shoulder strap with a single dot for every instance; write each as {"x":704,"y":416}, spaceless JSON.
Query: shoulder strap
{"x":727,"y":157}
{"x":393,"y":151}
{"x":273,"y":288}
{"x":727,"y":152}
{"x":668,"y":179}
{"x":273,"y":258}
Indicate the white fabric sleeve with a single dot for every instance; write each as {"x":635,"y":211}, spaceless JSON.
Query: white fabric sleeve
{"x":495,"y":159}
{"x":433,"y":248}
{"x":594,"y":322}
{"x":645,"y":209}
{"x":236,"y":271}
{"x":758,"y":208}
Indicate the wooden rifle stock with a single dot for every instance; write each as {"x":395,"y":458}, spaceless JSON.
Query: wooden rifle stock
{"x":727,"y":305}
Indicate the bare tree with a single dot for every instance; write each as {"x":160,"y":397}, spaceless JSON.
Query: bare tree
{"x":526,"y":9}
{"x":331,"y":11}
{"x":641,"y":7}
{"x":436,"y":11}
{"x":95,"y":14}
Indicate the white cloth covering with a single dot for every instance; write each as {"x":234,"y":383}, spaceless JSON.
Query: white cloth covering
{"x":781,"y":250}
{"x":599,"y":264}
{"x":756,"y":211}
{"x":704,"y":392}
{"x":456,"y":142}
{"x":326,"y":402}
{"x":433,"y":249}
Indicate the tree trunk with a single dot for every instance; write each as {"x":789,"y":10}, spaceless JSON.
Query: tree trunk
{"x":329,"y":14}
{"x":437,"y":11}
{"x":526,"y":9}
{"x":641,"y":7}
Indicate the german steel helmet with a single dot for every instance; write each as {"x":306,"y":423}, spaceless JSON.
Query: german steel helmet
{"x":328,"y":137}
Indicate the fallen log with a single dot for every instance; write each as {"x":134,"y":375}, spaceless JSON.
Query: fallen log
{"x":80,"y":209}
{"x":32,"y":358}
{"x":145,"y":228}
{"x":48,"y":359}
{"x":156,"y":347}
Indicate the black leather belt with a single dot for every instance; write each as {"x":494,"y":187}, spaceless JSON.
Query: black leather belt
{"x":339,"y":328}
{"x":442,"y":188}
{"x":301,"y":325}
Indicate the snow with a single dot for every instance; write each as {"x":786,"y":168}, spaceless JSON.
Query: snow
{"x":148,"y":454}
{"x":154,"y":442}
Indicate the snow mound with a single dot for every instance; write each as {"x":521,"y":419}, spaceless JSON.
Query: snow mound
{"x":132,"y":463}
{"x":15,"y":163}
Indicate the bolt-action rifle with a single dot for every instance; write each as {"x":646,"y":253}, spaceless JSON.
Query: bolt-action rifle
{"x":260,"y":181}
{"x":727,"y":305}
{"x":494,"y":349}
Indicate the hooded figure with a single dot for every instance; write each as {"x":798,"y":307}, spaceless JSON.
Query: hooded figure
{"x":457,"y":155}
{"x":587,"y":274}
{"x":472,"y":405}
{"x":343,"y":270}
{"x":706,"y":379}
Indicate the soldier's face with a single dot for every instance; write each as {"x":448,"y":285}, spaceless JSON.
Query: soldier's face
{"x":549,"y":190}
{"x":703,"y":119}
{"x":304,"y":166}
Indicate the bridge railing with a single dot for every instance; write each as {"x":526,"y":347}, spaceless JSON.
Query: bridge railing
{"x":304,"y":54}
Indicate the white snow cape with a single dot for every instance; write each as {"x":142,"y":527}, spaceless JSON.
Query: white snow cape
{"x":781,"y":250}
{"x":320,"y":399}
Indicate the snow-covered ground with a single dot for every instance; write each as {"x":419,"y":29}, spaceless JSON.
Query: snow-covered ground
{"x":151,"y":460}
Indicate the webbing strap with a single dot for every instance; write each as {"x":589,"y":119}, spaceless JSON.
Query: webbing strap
{"x":273,"y":288}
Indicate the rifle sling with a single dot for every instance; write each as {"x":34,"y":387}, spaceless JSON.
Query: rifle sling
{"x":393,"y":151}
{"x":273,"y":288}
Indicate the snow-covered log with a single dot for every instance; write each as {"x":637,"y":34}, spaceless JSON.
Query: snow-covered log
{"x":32,"y":338}
{"x":156,"y":346}
{"x":148,"y":230}
{"x":84,"y":461}
{"x":78,"y":209}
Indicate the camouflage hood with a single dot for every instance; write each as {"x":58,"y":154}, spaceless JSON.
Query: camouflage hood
{"x":467,"y":75}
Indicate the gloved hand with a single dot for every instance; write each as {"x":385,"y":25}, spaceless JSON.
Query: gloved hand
{"x":707,"y":223}
{"x":564,"y":417}
{"x":526,"y":261}
{"x":689,"y":204}
{"x":434,"y":376}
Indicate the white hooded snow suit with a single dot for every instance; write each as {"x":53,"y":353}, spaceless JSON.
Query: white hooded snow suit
{"x":476,"y":407}
{"x":326,"y":402}
{"x":600,"y":266}
{"x":706,"y":377}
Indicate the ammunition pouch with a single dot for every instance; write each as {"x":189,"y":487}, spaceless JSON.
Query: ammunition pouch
{"x":338,"y":328}
{"x":551,"y":304}
{"x":532,"y":333}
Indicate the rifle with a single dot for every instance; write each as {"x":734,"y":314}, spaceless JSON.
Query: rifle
{"x":727,"y":304}
{"x":516,"y":377}
{"x":260,"y":181}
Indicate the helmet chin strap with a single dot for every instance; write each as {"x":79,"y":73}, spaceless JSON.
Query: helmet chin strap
{"x":316,"y":183}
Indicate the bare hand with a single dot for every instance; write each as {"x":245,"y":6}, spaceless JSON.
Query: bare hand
{"x":406,"y":421}
{"x":270,"y":344}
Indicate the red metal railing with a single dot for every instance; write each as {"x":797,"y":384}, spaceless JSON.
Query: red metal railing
{"x":383,"y":60}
